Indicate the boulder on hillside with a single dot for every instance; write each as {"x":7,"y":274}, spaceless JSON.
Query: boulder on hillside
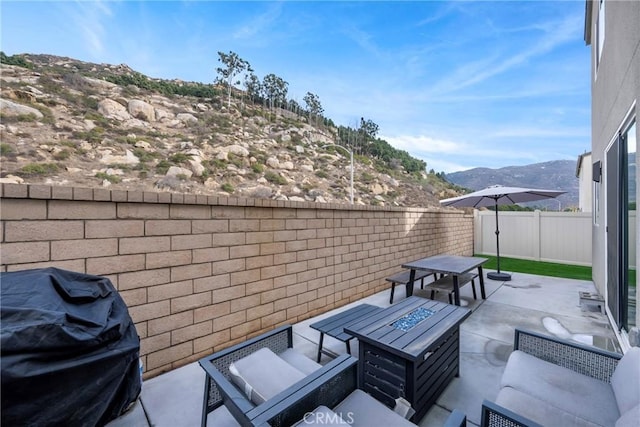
{"x":234,"y":149}
{"x":376,"y":188}
{"x":196,"y":167}
{"x":113,"y":110}
{"x":144,"y":145}
{"x":128,"y":159}
{"x":288,"y":165}
{"x":187,"y":118}
{"x":273,"y":162}
{"x":141,"y":110}
{"x":177,"y":170}
{"x":100,"y":84}
{"x":11,"y":179}
{"x":163,"y":114}
{"x":10,"y":108}
{"x":20,"y":95}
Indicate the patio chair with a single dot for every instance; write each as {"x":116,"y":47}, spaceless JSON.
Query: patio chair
{"x":335,"y":396}
{"x":331,"y":385}
{"x":550,"y":381}
{"x":219,"y":387}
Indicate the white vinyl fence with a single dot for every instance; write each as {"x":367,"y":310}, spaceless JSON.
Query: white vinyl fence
{"x":563,"y":237}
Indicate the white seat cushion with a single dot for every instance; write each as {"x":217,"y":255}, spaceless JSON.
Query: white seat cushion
{"x":263,"y":374}
{"x":362,"y":410}
{"x":625,"y":380}
{"x":564,"y":389}
{"x":631,"y":418}
{"x":299,"y":361}
{"x":540,"y":411}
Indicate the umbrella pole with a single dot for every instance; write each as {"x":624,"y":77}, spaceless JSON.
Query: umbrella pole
{"x":497,"y":238}
{"x":498,"y":275}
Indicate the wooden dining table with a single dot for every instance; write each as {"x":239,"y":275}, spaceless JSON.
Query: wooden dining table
{"x":454,"y":265}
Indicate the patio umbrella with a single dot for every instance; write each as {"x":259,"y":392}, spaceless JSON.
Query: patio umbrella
{"x":498,"y":195}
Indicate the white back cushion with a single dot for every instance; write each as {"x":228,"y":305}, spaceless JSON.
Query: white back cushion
{"x":263,"y":374}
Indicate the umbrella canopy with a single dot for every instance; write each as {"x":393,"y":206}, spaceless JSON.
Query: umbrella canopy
{"x":498,"y":195}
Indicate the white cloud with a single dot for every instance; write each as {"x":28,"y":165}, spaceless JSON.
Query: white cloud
{"x":451,"y":156}
{"x":474,"y":72}
{"x":540,"y":132}
{"x":259,"y":23}
{"x":89,"y":18}
{"x":424,"y":144}
{"x":362,"y":39}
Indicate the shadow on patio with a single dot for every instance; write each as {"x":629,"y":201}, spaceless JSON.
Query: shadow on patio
{"x":543,"y":304}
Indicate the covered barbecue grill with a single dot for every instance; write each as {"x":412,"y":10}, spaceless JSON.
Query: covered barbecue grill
{"x":69,"y":349}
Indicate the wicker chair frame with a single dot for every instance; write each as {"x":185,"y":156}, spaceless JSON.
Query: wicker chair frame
{"x":583,"y":359}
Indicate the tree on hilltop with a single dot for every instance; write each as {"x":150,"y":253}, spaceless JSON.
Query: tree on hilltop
{"x":314,"y":107}
{"x":368,"y":129}
{"x":253,"y":86}
{"x":275,"y":90}
{"x":233,"y":66}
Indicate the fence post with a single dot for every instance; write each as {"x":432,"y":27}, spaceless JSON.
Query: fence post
{"x":477,"y":232}
{"x":537,"y":235}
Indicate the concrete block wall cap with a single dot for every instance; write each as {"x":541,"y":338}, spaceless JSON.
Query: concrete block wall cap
{"x":135,"y":196}
{"x":149,"y":197}
{"x":164,"y":197}
{"x":19,"y":191}
{"x":101,"y":194}
{"x":39,"y":191}
{"x":118,"y":196}
{"x":82,"y":193}
{"x":65,"y":193}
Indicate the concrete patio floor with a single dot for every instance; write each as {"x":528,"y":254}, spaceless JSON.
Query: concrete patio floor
{"x":544,"y":304}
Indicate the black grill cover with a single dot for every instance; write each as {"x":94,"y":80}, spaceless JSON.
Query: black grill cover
{"x":69,"y":349}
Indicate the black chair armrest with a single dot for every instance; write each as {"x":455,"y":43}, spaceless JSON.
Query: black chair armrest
{"x":233,"y":399}
{"x":328,"y":387}
{"x":498,"y":416}
{"x":218,"y":386}
{"x":456,"y":419}
{"x":583,"y":359}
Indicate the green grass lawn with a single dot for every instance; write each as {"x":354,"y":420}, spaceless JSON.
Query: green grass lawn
{"x":510,"y":265}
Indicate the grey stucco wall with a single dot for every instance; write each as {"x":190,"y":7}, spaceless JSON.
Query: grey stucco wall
{"x":615,"y":88}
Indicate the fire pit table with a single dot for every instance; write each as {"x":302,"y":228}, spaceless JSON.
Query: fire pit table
{"x":411,"y":351}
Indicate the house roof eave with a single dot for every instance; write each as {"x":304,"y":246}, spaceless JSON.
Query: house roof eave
{"x":588,"y":18}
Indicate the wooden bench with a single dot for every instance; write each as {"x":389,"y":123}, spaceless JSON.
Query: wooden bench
{"x":334,"y":325}
{"x":402,"y":278}
{"x":446,"y":284}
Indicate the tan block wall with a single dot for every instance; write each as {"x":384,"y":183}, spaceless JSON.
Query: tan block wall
{"x":200,"y":273}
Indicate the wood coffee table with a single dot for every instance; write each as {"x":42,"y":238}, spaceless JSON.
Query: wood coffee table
{"x":415,"y":362}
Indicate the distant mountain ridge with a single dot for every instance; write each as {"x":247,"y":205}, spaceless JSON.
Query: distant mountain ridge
{"x":552,"y":175}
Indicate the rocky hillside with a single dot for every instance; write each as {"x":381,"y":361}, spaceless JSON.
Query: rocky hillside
{"x":64,"y":123}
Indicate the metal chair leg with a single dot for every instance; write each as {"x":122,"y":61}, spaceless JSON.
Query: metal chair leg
{"x":320,"y":346}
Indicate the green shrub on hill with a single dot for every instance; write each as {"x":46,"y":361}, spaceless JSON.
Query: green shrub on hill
{"x":198,"y":90}
{"x":16,"y":60}
{"x":274,"y":178}
{"x":33,"y":169}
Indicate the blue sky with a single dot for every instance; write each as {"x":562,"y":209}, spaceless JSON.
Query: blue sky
{"x":458,"y":84}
